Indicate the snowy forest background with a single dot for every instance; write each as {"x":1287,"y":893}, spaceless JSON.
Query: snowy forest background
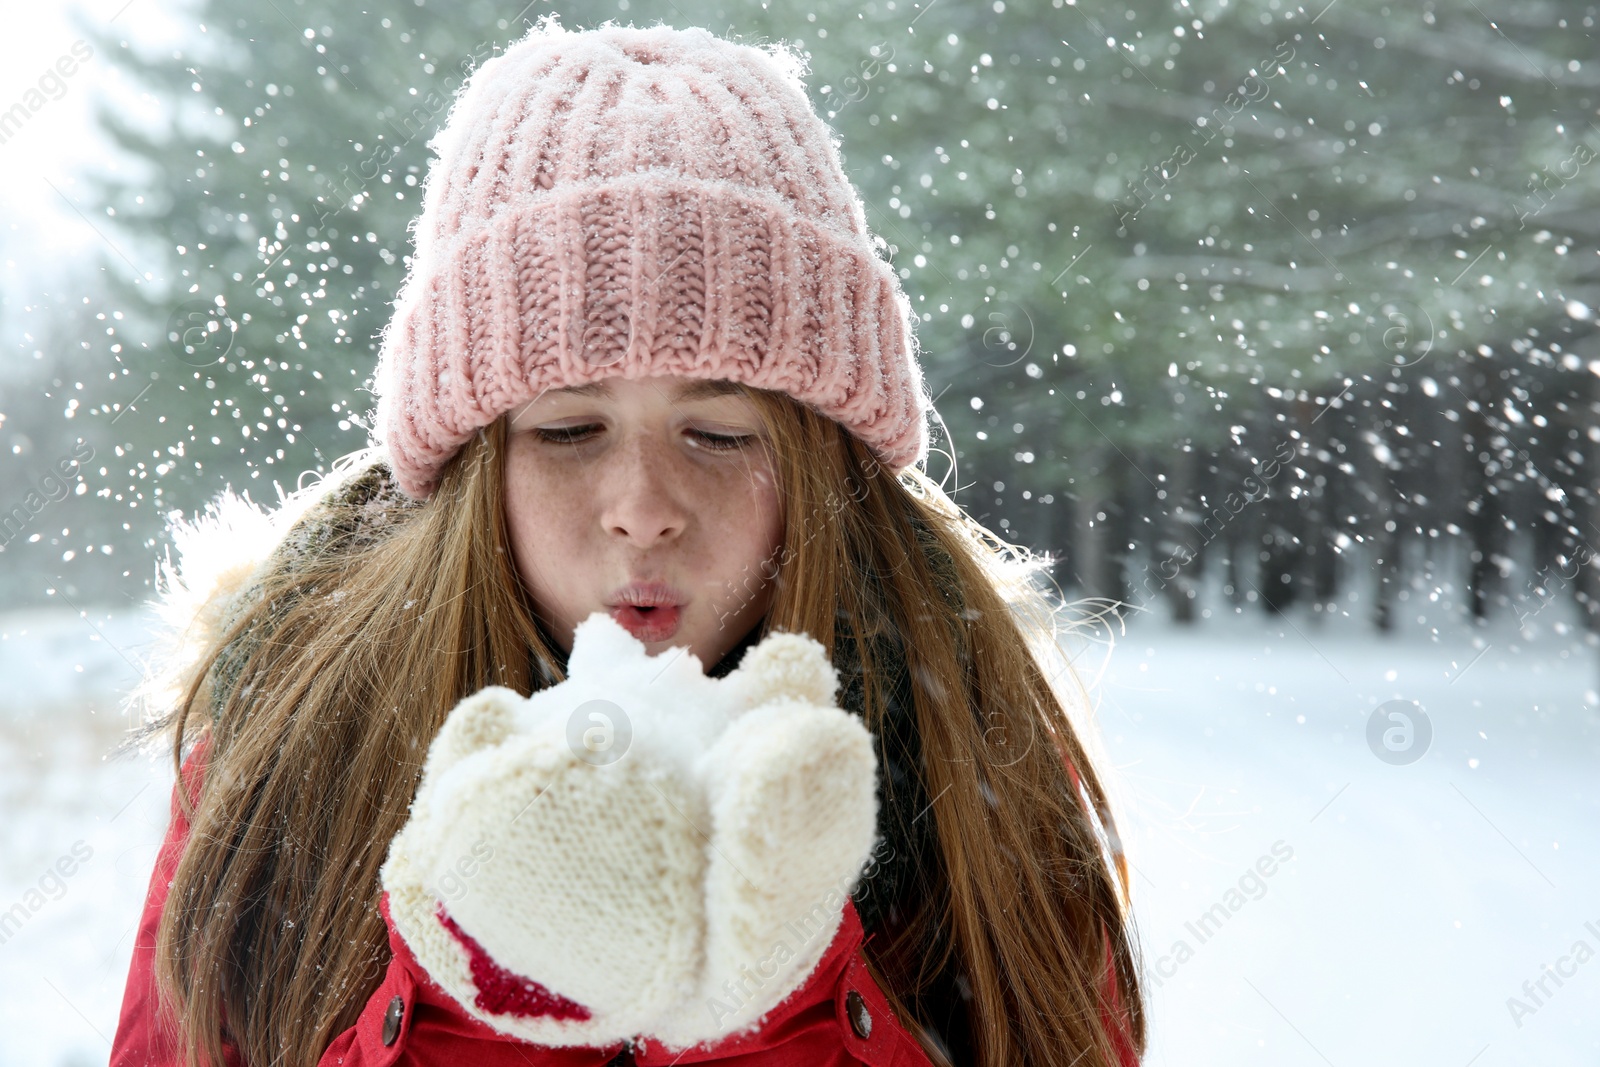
{"x":1273,"y":322}
{"x":1154,"y":246}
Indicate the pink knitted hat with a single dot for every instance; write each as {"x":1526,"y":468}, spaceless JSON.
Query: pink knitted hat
{"x":634,"y":202}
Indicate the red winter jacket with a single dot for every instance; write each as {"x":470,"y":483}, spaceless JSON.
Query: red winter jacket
{"x":838,"y":1018}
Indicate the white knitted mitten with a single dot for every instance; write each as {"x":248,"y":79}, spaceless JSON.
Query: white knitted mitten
{"x":640,"y":850}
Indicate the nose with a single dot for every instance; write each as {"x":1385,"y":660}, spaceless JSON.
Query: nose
{"x":640,"y":491}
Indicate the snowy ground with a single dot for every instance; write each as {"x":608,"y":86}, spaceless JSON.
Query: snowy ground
{"x":63,"y":801}
{"x":1418,"y":899}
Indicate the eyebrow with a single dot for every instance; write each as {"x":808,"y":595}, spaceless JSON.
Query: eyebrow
{"x":694,"y":389}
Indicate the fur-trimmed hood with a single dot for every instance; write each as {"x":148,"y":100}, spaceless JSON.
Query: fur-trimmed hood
{"x":213,"y":567}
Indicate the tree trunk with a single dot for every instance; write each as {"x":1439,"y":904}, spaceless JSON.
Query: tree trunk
{"x":1178,"y":542}
{"x":1586,"y":506}
{"x":1485,"y":524}
{"x":1323,"y":519}
{"x":1089,"y":528}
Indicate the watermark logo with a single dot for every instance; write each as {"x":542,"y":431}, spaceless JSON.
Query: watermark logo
{"x":200,"y":333}
{"x":52,"y":885}
{"x":795,"y":936}
{"x":1251,"y":885}
{"x":851,"y":88}
{"x":347,"y":192}
{"x":1545,"y":182}
{"x":1401,"y":332}
{"x":599,"y":732}
{"x":1153,"y":181}
{"x":54,"y":486}
{"x":1565,"y":967}
{"x":1210,"y":525}
{"x":51,"y":85}
{"x":452,"y":885}
{"x":1398,"y":732}
{"x":1005,"y":339}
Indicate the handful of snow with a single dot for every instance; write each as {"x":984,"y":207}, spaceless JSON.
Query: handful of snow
{"x":599,"y":861}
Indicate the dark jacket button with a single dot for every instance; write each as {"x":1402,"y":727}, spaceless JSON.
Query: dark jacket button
{"x":860,"y":1018}
{"x":391,"y":1020}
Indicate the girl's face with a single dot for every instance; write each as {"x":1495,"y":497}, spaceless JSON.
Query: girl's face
{"x":664,"y":481}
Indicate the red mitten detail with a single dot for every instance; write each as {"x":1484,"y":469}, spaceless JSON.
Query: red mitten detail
{"x":503,"y":992}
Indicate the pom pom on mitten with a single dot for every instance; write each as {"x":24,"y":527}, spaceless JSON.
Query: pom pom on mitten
{"x":640,"y":851}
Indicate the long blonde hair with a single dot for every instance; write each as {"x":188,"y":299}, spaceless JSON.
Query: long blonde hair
{"x":319,"y":698}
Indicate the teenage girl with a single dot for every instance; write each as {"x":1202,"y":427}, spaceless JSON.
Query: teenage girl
{"x":646,"y":363}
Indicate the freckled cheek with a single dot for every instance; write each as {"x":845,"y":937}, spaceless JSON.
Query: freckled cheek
{"x":527,"y":551}
{"x":542,"y":488}
{"x":760,"y":522}
{"x":539,"y":512}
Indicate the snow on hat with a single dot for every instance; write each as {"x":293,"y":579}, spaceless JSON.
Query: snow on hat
{"x":633,"y":202}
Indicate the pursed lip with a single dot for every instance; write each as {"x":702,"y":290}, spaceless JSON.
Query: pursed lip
{"x":646,"y":595}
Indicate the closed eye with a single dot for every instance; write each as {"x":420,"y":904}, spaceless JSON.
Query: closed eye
{"x":715,"y":442}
